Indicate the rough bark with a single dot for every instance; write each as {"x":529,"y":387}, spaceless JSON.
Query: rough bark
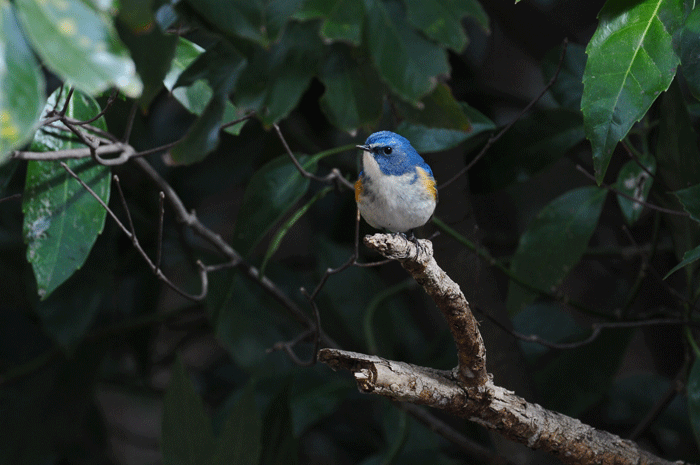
{"x":468,"y":390}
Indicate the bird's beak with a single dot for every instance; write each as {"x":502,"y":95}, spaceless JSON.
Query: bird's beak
{"x":364,"y":147}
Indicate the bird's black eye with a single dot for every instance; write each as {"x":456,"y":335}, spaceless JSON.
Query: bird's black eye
{"x":387,"y":150}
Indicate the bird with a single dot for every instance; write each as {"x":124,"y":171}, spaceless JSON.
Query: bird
{"x":395,"y":190}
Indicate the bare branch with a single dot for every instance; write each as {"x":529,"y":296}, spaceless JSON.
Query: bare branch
{"x":418,"y":260}
{"x":492,"y":140}
{"x":493,"y":407}
{"x":629,"y":197}
{"x":334,"y":176}
{"x":134,"y":240}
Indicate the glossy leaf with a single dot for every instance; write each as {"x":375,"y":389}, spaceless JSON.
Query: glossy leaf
{"x":275,"y":79}
{"x":240,"y":440}
{"x":21,"y":85}
{"x":272,"y":192}
{"x":61,"y":219}
{"x":440,"y":20}
{"x":568,"y":87}
{"x":427,"y":139}
{"x":553,"y":243}
{"x":635,"y":181}
{"x":405,"y":60}
{"x":439,"y":109}
{"x":690,"y":198}
{"x":246,"y":322}
{"x":549,"y":322}
{"x":151,"y":49}
{"x":261,"y":22}
{"x":79,"y":45}
{"x":195,"y":95}
{"x":353,"y":95}
{"x":186,"y":433}
{"x":690,"y":52}
{"x":631,"y":60}
{"x":220,"y":66}
{"x":533,"y":143}
{"x":284,"y":229}
{"x":690,"y":256}
{"x":694,"y":398}
{"x":342,"y":19}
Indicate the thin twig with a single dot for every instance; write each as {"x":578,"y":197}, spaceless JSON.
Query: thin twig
{"x":65,"y":105}
{"x":132,"y":235}
{"x":161,"y":214}
{"x":236,"y":121}
{"x":492,"y":140}
{"x":130,"y":122}
{"x":333,"y":177}
{"x":627,"y":196}
{"x":112,"y":98}
{"x":10,"y":197}
{"x":596,"y":329}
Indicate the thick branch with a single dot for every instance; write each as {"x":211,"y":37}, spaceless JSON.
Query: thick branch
{"x":417,"y":259}
{"x":492,"y":406}
{"x":468,"y":391}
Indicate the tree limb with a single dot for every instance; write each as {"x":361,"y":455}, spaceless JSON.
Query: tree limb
{"x":457,"y":393}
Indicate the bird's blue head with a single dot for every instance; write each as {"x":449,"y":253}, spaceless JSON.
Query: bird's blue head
{"x":394,"y":154}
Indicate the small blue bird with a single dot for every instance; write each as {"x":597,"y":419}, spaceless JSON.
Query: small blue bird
{"x":396,"y":188}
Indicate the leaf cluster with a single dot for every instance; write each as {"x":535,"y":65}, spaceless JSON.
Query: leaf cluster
{"x":588,"y":206}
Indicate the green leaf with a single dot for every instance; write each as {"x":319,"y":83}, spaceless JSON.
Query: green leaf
{"x":21,"y":85}
{"x":342,"y":19}
{"x":151,"y":49}
{"x":315,"y":397}
{"x":568,"y":87}
{"x":440,"y":20}
{"x":548,"y":321}
{"x":572,"y":383}
{"x":79,"y":45}
{"x":61,"y":219}
{"x":690,"y":52}
{"x":279,"y":443}
{"x":694,"y":398}
{"x":553,"y":243}
{"x":284,"y":229}
{"x":678,"y":165}
{"x":186,"y":433}
{"x":635,"y":181}
{"x":69,"y":312}
{"x":533,"y":143}
{"x":261,"y":22}
{"x":247,"y":322}
{"x":271,"y":193}
{"x":439,"y":109}
{"x":240,"y":440}
{"x":353,"y":95}
{"x":677,"y":152}
{"x":405,"y":60}
{"x":690,"y":198}
{"x":427,"y":140}
{"x":195,"y":95}
{"x":203,"y":136}
{"x":631,"y":60}
{"x":221,"y":65}
{"x":689,"y":257}
{"x":275,"y":79}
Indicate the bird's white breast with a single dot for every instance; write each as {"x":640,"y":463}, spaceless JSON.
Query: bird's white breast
{"x":397,"y":203}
